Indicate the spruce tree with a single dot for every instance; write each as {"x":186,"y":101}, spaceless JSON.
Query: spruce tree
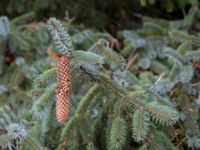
{"x":139,"y":90}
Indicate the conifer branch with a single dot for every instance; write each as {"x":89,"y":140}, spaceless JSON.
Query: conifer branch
{"x":44,"y":99}
{"x":60,"y":36}
{"x":118,"y":134}
{"x":174,"y":55}
{"x":23,"y":18}
{"x":140,"y":125}
{"x":162,"y":114}
{"x":45,"y":78}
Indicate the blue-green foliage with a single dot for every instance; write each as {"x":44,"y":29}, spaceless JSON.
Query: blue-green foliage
{"x":118,"y":134}
{"x":60,"y":36}
{"x":134,"y":98}
{"x":4,"y":27}
{"x":140,"y":125}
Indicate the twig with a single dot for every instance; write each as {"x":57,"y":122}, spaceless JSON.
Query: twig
{"x":130,"y":62}
{"x":68,"y":19}
{"x":160,"y":77}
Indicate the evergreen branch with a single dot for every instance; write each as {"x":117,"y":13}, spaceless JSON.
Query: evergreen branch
{"x":180,"y":36}
{"x":174,"y":55}
{"x":19,"y":40}
{"x":102,"y":48}
{"x":6,"y":138}
{"x":45,"y":78}
{"x":169,"y":116}
{"x":46,"y":123}
{"x":193,"y":55}
{"x":162,"y":141}
{"x":158,"y":67}
{"x":127,"y":48}
{"x":83,"y":37}
{"x":8,"y":114}
{"x":163,"y":86}
{"x":140,"y":125}
{"x":159,"y":98}
{"x":183,"y":47}
{"x":86,"y":99}
{"x":60,"y":36}
{"x":87,"y":57}
{"x":119,"y":90}
{"x":112,"y":56}
{"x":118,"y":134}
{"x":103,"y":77}
{"x":23,"y":18}
{"x":43,"y":101}
{"x":162,"y":114}
{"x":34,"y":143}
{"x":174,"y":71}
{"x":132,"y":103}
{"x":73,"y":143}
{"x":189,"y":19}
{"x":186,"y":73}
{"x":69,"y":127}
{"x":4,"y":27}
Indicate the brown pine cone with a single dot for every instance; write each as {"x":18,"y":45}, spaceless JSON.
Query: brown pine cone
{"x":62,"y":106}
{"x":63,"y":73}
{"x":62,"y":95}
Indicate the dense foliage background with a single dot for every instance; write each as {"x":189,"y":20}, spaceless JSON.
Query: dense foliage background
{"x":135,"y":74}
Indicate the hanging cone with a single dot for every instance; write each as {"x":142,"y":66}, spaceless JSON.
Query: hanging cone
{"x":62,"y":106}
{"x":62,"y":95}
{"x":63,"y":73}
